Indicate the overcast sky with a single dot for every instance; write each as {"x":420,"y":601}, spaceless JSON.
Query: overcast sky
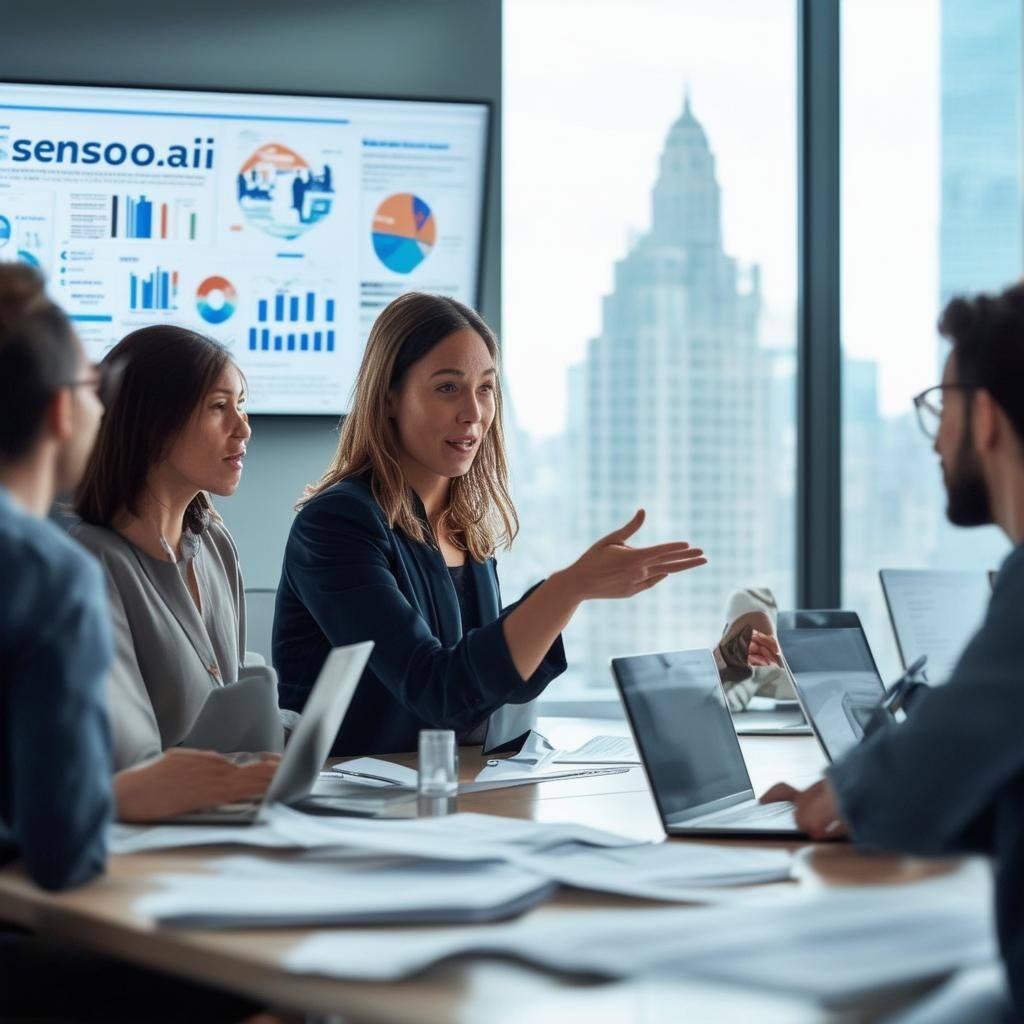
{"x":591,"y":89}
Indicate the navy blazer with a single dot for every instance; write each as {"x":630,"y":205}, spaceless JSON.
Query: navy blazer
{"x":349,"y":577}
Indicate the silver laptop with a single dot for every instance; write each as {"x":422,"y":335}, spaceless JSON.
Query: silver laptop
{"x":680,"y":720}
{"x":935,"y":612}
{"x":833,"y":673}
{"x":307,"y":749}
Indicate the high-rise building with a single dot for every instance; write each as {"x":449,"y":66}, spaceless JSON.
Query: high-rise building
{"x":982,"y":222}
{"x":981,"y":235}
{"x":671,"y":412}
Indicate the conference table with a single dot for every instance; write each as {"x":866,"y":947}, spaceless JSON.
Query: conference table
{"x":100,"y":916}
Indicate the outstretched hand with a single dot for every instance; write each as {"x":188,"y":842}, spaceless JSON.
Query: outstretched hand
{"x":612,"y":568}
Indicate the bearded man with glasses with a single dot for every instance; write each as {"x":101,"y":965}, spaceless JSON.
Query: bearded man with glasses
{"x":950,"y":779}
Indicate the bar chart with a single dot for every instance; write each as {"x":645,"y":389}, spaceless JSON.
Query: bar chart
{"x":293,"y":320}
{"x":158,"y":290}
{"x":142,"y":217}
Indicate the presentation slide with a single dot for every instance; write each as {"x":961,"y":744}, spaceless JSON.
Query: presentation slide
{"x":279,"y":225}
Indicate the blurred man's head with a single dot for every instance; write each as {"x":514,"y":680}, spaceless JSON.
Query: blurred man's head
{"x":49,"y":404}
{"x":981,"y":428}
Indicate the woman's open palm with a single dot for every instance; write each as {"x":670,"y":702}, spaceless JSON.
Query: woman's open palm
{"x":612,"y":568}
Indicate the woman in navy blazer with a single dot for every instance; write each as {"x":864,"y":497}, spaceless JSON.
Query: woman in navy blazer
{"x":396,"y":544}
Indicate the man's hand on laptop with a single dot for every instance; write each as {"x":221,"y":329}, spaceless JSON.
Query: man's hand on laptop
{"x":182,"y":780}
{"x":817,"y":810}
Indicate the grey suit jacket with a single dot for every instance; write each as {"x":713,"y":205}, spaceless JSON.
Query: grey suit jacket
{"x":168,"y":657}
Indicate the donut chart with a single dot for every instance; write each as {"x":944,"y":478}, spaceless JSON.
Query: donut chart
{"x":404,"y":232}
{"x":216,"y":299}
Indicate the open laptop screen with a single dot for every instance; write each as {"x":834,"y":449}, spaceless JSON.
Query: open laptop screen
{"x":834,"y":673}
{"x":935,"y":612}
{"x":682,"y":726}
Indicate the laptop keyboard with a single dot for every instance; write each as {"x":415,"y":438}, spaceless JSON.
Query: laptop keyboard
{"x":748,"y":814}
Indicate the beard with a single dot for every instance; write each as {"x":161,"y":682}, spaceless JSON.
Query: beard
{"x":967,"y":497}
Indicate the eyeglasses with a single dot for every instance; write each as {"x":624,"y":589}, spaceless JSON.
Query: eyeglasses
{"x":928,"y":406}
{"x":103,"y":379}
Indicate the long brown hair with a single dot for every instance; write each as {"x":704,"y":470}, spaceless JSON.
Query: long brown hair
{"x":480,"y":515}
{"x":163,"y":374}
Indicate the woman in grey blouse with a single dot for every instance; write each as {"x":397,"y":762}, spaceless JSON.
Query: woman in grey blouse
{"x":175,"y":431}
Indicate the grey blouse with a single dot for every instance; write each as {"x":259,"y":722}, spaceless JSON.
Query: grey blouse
{"x":168,"y":655}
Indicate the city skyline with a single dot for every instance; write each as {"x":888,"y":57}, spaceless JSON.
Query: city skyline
{"x":890,"y":474}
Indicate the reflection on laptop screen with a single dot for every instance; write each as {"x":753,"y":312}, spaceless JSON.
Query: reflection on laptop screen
{"x":837,"y":680}
{"x":682,"y":725}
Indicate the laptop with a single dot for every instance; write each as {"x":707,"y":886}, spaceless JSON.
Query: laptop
{"x":307,"y":749}
{"x":833,"y":673}
{"x":680,"y":721}
{"x":935,"y":612}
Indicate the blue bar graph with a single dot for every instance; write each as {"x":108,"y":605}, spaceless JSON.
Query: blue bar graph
{"x":138,"y":217}
{"x":287,"y":307}
{"x":159,"y":290}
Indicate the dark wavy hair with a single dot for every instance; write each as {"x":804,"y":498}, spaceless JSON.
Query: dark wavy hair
{"x":163,"y":373}
{"x":987,"y":333}
{"x":38,"y":356}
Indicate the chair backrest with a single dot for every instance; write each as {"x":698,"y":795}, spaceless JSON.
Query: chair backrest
{"x":259,"y":621}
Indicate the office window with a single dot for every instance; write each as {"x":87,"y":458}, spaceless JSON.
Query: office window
{"x":649,"y":302}
{"x":931,"y":207}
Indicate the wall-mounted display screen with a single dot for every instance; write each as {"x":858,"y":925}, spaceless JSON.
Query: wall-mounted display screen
{"x":280,"y":225}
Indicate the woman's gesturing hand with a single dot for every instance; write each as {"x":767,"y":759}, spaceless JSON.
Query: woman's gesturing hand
{"x":183,"y":780}
{"x":611,"y":568}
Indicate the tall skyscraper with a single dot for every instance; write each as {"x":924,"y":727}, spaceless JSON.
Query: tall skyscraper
{"x":671,"y":412}
{"x":981,"y":235}
{"x":982,"y":221}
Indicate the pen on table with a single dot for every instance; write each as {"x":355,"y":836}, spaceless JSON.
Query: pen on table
{"x":367,"y":775}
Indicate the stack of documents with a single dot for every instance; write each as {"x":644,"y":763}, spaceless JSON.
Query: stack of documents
{"x":251,"y":892}
{"x":836,"y":945}
{"x":382,"y":870}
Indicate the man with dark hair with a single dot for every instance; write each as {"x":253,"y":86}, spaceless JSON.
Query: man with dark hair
{"x":55,"y":641}
{"x":951,"y":778}
{"x":56,"y":762}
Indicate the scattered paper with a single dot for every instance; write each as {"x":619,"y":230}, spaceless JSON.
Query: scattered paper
{"x":602,"y":750}
{"x":464,"y":837}
{"x":252,"y":892}
{"x":834,"y":945}
{"x":362,"y":769}
{"x":676,"y":871}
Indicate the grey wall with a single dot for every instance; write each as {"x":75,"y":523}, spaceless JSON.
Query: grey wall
{"x":430,"y":48}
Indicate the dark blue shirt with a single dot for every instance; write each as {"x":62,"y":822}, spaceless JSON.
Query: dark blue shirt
{"x":56,"y":795}
{"x":349,"y":577}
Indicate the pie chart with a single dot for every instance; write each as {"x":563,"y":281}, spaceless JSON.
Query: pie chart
{"x":404,"y":232}
{"x":216,"y":299}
